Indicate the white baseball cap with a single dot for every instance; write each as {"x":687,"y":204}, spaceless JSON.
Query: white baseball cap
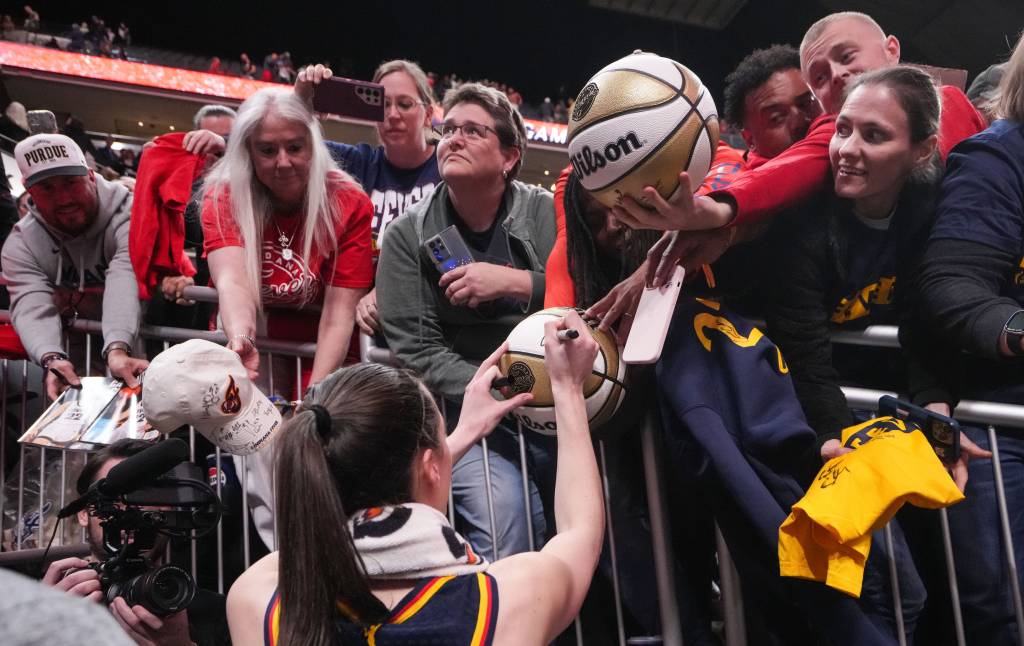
{"x":204,"y":384}
{"x":42,"y":156}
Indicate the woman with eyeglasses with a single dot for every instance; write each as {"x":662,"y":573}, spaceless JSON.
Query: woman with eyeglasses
{"x":400,"y":171}
{"x":442,"y":324}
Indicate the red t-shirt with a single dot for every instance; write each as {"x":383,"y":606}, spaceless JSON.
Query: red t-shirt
{"x":558,"y":286}
{"x":288,"y":287}
{"x":799,"y":172}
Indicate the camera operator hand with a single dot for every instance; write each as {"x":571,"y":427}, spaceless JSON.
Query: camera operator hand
{"x":84,"y":582}
{"x":146,"y":629}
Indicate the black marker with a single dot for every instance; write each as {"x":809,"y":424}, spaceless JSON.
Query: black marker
{"x":64,"y":380}
{"x":565,"y":335}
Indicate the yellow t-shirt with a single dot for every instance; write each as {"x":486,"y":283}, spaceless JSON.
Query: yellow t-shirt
{"x":828,"y":534}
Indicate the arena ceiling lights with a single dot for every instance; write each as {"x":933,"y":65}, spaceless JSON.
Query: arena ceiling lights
{"x":710,"y":14}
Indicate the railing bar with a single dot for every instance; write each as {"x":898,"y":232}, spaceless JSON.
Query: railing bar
{"x":661,"y":539}
{"x":616,"y":588}
{"x":526,"y":487}
{"x":3,"y":437}
{"x":954,"y":590}
{"x":894,"y":582}
{"x":490,"y":499}
{"x":244,"y":481}
{"x":42,"y":496}
{"x":1004,"y":524}
{"x":220,"y":530}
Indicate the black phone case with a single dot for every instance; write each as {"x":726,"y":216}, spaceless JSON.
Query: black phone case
{"x":943,"y":432}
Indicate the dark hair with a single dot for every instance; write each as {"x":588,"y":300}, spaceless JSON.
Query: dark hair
{"x":125,"y":448}
{"x":751,"y":73}
{"x":590,"y":282}
{"x":508,"y":123}
{"x":915,"y":91}
{"x":380,"y":418}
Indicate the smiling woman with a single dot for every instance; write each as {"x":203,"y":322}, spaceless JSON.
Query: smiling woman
{"x":846,"y":261}
{"x":286,"y":232}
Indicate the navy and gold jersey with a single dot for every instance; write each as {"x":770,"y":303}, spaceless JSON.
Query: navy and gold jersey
{"x":439,"y":610}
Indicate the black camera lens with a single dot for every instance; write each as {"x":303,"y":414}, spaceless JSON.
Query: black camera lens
{"x":163,"y":591}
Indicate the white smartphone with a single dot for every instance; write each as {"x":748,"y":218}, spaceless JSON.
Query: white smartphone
{"x":650,"y":323}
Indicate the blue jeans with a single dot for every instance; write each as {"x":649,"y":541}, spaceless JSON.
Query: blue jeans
{"x":876,"y":593}
{"x":470,"y":493}
{"x":979,"y":551}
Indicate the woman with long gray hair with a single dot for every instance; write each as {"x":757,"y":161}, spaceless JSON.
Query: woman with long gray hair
{"x":287,"y":234}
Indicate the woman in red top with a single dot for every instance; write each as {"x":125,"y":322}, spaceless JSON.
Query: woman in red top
{"x":286,"y":231}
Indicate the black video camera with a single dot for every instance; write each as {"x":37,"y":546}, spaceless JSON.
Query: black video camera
{"x":154,"y":492}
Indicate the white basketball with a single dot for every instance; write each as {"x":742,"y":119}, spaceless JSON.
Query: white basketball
{"x":640,"y":122}
{"x":523,"y":365}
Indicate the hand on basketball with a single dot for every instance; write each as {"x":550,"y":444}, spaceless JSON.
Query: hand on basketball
{"x":569,"y":362}
{"x":619,"y":306}
{"x":309,"y":77}
{"x":481,"y":412}
{"x":691,"y":249}
{"x":682,"y":211}
{"x":480,"y":282}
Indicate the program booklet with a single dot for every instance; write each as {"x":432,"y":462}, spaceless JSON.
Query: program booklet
{"x":101,"y":412}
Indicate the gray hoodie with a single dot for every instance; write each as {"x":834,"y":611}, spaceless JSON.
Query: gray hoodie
{"x":37,"y":260}
{"x":441,"y":341}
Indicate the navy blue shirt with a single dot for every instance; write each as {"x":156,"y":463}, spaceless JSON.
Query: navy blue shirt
{"x":391,"y":189}
{"x":982,"y":197}
{"x":972,"y":276}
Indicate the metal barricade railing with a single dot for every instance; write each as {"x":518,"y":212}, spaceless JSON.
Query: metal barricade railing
{"x":969,"y":411}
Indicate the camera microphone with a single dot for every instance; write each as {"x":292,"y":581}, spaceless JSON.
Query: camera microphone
{"x":144,"y":467}
{"x":133,"y":473}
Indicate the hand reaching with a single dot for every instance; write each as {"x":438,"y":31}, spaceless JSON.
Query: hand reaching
{"x":682,"y":211}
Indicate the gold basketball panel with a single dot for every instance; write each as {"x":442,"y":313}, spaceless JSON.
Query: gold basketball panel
{"x":621,"y":91}
{"x":662,"y":169}
{"x":541,"y":388}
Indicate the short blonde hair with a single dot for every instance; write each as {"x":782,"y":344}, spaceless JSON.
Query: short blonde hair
{"x":818,"y":28}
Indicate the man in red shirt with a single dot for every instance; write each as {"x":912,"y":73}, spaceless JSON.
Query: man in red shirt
{"x":834,"y":50}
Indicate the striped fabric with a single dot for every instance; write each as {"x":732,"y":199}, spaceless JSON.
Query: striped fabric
{"x":452,"y":610}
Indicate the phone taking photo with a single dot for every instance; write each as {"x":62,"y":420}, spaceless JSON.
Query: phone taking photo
{"x":349,"y":98}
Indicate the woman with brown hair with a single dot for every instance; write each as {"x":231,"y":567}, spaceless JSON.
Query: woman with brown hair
{"x":399,"y":172}
{"x":367,"y":554}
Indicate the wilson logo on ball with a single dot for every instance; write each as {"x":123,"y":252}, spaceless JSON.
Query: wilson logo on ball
{"x":588,"y":161}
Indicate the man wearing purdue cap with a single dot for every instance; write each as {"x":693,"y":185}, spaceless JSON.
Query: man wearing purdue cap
{"x":68,"y":256}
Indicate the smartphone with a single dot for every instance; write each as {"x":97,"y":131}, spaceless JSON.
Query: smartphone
{"x":943,"y":432}
{"x":350,"y":98}
{"x":41,"y":122}
{"x":651,"y":321}
{"x":447,"y":250}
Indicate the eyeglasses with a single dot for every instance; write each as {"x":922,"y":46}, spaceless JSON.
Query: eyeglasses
{"x":469,"y":130}
{"x":402,"y":104}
